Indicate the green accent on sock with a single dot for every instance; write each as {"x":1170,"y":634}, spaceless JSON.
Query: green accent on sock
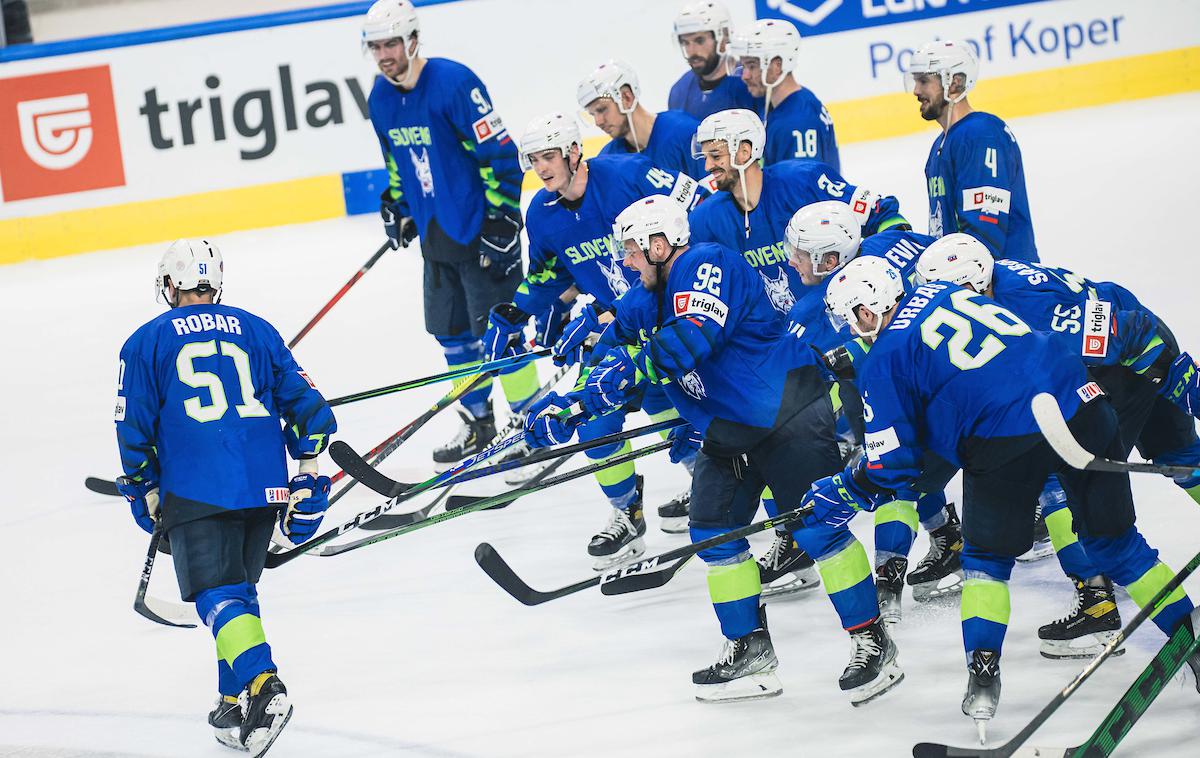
{"x":767,"y":494}
{"x":239,"y":635}
{"x":844,"y":569}
{"x":613,"y":475}
{"x":520,"y":385}
{"x":898,"y":510}
{"x":1059,"y":524}
{"x":734,"y":582}
{"x":666,"y":415}
{"x":1148,"y":584}
{"x":987,"y":599}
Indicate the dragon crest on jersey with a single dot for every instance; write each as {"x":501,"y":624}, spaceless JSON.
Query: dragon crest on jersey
{"x":691,"y":384}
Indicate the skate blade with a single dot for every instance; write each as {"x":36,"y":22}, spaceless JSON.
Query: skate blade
{"x":888,"y":678}
{"x":792,"y":584}
{"x":950,"y":584}
{"x":627,"y":554}
{"x":754,"y":687}
{"x":260,"y":740}
{"x":981,"y":727}
{"x":1039,"y":551}
{"x":890,"y":616}
{"x":1065,"y":650}
{"x":229,"y":738}
{"x":674,"y":525}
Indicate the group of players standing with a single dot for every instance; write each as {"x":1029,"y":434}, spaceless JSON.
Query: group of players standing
{"x":794,"y":320}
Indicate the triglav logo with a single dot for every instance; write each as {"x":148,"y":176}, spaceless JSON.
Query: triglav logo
{"x":56,"y":132}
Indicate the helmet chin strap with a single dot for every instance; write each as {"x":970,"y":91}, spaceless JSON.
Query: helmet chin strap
{"x":408,"y":72}
{"x":660,"y":282}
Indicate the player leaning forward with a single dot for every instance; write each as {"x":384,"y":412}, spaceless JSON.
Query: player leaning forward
{"x":455,"y":181}
{"x":699,"y":323}
{"x":202,"y":392}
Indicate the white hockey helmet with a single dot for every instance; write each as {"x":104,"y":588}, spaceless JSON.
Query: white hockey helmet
{"x":390,"y":19}
{"x":657,"y":214}
{"x":957,"y":258}
{"x":190,"y":264}
{"x":766,"y":40}
{"x":704,"y":16}
{"x":819,"y":229}
{"x":553,"y":131}
{"x":946,"y":58}
{"x":606,"y":80}
{"x":870,"y":282}
{"x":733,"y":126}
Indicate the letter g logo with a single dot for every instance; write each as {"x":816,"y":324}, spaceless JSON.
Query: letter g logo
{"x":56,"y":132}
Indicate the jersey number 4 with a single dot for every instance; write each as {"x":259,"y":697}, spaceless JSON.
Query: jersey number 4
{"x":954,"y":326}
{"x":216,"y":389}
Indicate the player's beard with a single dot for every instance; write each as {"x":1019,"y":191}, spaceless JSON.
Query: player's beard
{"x":727,"y":180}
{"x":932,"y":111}
{"x":708,"y":67}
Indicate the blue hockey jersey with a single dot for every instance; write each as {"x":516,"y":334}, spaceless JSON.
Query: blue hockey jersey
{"x":952,"y":367}
{"x":447,"y":151}
{"x":730,"y":92}
{"x":976,"y":184}
{"x":670,"y":144}
{"x":203,"y":396}
{"x":787,"y":187}
{"x":573,"y":243}
{"x":800,"y":127}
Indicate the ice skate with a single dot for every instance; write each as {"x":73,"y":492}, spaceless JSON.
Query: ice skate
{"x":983,"y":690}
{"x":473,"y":436}
{"x":519,"y":477}
{"x":620,"y":541}
{"x":745,"y":670}
{"x":873,"y":668}
{"x":1092,"y":621}
{"x":940,"y":571}
{"x":267,"y":710}
{"x":785,"y":569}
{"x":673,"y":515}
{"x":226,"y":721}
{"x":889,"y":588}
{"x":1042,"y":547}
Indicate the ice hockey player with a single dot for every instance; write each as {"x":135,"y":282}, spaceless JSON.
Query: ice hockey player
{"x":208,"y":398}
{"x":798,"y":126}
{"x":948,"y":384}
{"x":611,"y":95}
{"x":713,"y":84}
{"x":455,"y":183}
{"x":569,"y":224}
{"x":1139,"y":351}
{"x":974,"y":174}
{"x":698,"y":323}
{"x":820,"y":239}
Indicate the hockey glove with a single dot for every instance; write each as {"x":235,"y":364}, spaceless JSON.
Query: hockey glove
{"x":400,"y":227}
{"x":841,"y":360}
{"x":500,"y":242}
{"x":1182,"y":385}
{"x":306,"y":507}
{"x":685,"y":443}
{"x":544,"y":425}
{"x":835,"y":500}
{"x":549,"y":325}
{"x":613,"y":382}
{"x":1133,"y":342}
{"x":142,"y":495}
{"x":569,"y":349}
{"x":504,"y":331}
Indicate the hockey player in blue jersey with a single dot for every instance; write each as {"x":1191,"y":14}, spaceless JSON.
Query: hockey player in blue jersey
{"x":948,"y":385}
{"x":699,"y":324}
{"x":713,"y":84}
{"x":611,"y":96}
{"x":798,"y":126}
{"x":208,"y":399}
{"x":974,"y":175}
{"x":569,"y":224}
{"x":454,"y":182}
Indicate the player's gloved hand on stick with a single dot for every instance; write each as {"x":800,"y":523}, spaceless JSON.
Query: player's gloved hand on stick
{"x":543,"y":425}
{"x":142,"y":495}
{"x":1182,"y":384}
{"x":504,"y":331}
{"x":400,"y":227}
{"x":500,"y":242}
{"x":841,"y":360}
{"x":306,"y":507}
{"x":685,"y":443}
{"x":548,"y":326}
{"x":612,"y":382}
{"x":835,"y":500}
{"x":569,"y":349}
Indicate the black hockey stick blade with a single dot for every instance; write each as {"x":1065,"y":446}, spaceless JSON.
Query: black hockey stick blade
{"x":354,"y":465}
{"x":500,"y":572}
{"x":158,"y":611}
{"x":102,"y":486}
{"x":637,"y":577}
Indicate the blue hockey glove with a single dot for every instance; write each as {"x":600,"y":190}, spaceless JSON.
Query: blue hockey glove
{"x":500,"y":242}
{"x":504,"y":331}
{"x":613,"y":381}
{"x":1182,"y":385}
{"x":543,"y":427}
{"x":142,"y":495}
{"x":685,"y":443}
{"x":306,"y":507}
{"x":548,"y":326}
{"x":835,"y":500}
{"x":569,"y":349}
{"x":400,"y":227}
{"x":1131,"y":336}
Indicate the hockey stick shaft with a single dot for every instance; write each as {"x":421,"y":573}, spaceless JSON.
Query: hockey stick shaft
{"x":139,"y":600}
{"x":345,"y":288}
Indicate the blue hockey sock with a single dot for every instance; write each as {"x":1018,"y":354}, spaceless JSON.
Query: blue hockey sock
{"x":733,"y":584}
{"x":1129,"y":561}
{"x":231,"y":612}
{"x":462,"y":351}
{"x":985,"y":601}
{"x":931,"y":510}
{"x":845,"y":572}
{"x":1072,"y":557}
{"x":895,"y":530}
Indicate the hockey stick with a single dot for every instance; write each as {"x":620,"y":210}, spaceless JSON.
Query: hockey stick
{"x":935,"y":750}
{"x":345,"y":288}
{"x":488,"y":502}
{"x":634,"y":577}
{"x":1054,"y":427}
{"x":101,"y":486}
{"x":158,"y":611}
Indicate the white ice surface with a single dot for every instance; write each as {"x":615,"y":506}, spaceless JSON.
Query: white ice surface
{"x":406,"y":647}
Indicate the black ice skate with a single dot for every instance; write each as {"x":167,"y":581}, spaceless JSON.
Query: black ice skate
{"x":1042,"y":547}
{"x":621,"y":540}
{"x":889,"y":588}
{"x":745,"y":670}
{"x":519,"y":477}
{"x":785,"y":569}
{"x":873,"y":668}
{"x":983,"y":690}
{"x":1092,"y":621}
{"x":673,"y":515}
{"x":226,"y":721}
{"x":940,"y":571}
{"x":266,"y":712}
{"x":473,"y":436}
